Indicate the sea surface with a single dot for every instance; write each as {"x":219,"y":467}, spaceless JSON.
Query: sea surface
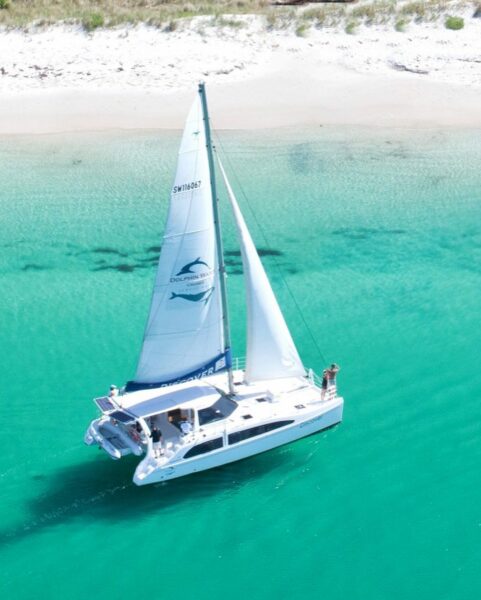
{"x":377,"y":234}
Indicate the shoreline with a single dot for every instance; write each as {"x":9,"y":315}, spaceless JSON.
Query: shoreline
{"x":63,"y":80}
{"x":366,"y":102}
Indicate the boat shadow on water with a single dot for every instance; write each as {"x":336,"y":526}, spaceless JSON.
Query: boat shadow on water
{"x":101,"y":489}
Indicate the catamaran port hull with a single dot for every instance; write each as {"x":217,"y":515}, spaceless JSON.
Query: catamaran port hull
{"x":330,"y":414}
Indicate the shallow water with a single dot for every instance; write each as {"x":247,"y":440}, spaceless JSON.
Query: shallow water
{"x":378,"y":235}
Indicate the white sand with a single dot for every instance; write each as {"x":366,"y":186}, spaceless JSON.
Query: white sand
{"x":62,"y":79}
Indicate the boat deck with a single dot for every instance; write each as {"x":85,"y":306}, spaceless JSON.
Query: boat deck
{"x":263,"y":402}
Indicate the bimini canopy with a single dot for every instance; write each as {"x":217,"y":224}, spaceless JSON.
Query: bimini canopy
{"x":145,"y":403}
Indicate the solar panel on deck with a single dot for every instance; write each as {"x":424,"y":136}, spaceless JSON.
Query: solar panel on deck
{"x":105,"y":404}
{"x":118,"y":415}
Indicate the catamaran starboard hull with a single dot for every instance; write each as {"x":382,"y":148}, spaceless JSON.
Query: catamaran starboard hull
{"x":148,"y":472}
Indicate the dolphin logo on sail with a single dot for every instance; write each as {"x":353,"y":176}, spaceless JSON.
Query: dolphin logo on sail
{"x":204,"y":296}
{"x":188,"y":267}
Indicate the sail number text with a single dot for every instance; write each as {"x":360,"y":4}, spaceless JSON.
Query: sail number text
{"x":185,"y":187}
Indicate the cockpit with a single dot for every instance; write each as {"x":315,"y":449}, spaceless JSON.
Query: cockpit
{"x":164,"y":423}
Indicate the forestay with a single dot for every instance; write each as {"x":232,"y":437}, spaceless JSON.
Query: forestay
{"x":184,"y":336}
{"x":271,"y":353}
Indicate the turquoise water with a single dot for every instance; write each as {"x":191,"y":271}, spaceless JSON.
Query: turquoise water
{"x":378,"y":235}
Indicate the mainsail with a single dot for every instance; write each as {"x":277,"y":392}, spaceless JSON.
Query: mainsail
{"x":271,"y":353}
{"x":184,"y":336}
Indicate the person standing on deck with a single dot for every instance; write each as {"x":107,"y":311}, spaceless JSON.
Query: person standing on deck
{"x":331,"y":374}
{"x":156,"y":436}
{"x":324,"y":384}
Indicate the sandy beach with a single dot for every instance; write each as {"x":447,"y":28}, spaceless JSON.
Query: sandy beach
{"x":63,"y":79}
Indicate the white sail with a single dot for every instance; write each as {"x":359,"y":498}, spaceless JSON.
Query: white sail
{"x":271,"y":353}
{"x":184,"y":335}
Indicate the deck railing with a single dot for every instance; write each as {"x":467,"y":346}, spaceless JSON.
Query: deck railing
{"x":330,"y":392}
{"x":239,"y":362}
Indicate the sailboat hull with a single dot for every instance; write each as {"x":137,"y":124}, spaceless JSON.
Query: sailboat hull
{"x":328,"y":415}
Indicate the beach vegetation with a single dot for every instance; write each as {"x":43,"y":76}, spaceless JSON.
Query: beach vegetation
{"x":351,"y":27}
{"x":374,"y":12}
{"x":400,"y":25}
{"x":316,"y":16}
{"x":92,"y":14}
{"x":280,"y":20}
{"x":93,"y":21}
{"x":336,"y":15}
{"x":171,"y":26}
{"x":271,"y":21}
{"x":329,"y":15}
{"x":301,"y":29}
{"x":414,"y":9}
{"x":454,"y":23}
{"x":228,"y":21}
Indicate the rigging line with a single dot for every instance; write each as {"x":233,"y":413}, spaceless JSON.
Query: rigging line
{"x":316,"y":345}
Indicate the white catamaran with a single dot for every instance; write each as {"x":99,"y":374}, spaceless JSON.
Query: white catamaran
{"x":191,"y":406}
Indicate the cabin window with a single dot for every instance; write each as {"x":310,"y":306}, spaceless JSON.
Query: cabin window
{"x":204,"y":448}
{"x":209,"y":415}
{"x":245,"y":434}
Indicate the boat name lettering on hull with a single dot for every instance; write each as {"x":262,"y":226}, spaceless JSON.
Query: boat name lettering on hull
{"x":306,"y":423}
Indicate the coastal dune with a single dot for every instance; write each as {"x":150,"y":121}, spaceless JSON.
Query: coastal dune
{"x":63,"y":79}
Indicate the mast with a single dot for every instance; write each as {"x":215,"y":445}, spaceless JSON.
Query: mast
{"x":218,"y":236}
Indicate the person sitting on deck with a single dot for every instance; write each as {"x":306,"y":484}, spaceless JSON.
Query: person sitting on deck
{"x":156,"y":436}
{"x":137,"y":431}
{"x":114,"y":391}
{"x":185,"y":426}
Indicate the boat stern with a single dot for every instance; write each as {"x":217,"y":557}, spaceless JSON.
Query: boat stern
{"x":115,"y":438}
